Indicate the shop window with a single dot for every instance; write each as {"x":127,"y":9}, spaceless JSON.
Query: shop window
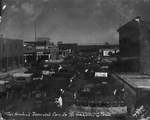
{"x":16,"y":61}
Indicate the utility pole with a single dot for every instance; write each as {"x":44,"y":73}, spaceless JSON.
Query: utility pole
{"x":45,"y":46}
{"x":35,"y":39}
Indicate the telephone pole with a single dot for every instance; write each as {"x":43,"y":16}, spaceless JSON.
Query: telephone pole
{"x":35,"y":39}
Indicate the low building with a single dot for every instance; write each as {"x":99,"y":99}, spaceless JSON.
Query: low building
{"x":136,"y":89}
{"x":70,"y":47}
{"x":104,"y":50}
{"x":11,"y":54}
{"x":41,"y":50}
{"x":29,"y":52}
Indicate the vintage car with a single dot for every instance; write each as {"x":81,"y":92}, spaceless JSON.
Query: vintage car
{"x":4,"y":87}
{"x":21,"y":79}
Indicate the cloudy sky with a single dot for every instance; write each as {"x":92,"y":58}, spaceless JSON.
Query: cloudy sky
{"x":70,"y":21}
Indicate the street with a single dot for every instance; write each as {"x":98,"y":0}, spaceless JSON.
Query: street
{"x":25,"y":110}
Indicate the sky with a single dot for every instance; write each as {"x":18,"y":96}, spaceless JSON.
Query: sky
{"x":70,"y":21}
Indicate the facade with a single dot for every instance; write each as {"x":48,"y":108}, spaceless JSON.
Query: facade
{"x":43,"y":39}
{"x":29,"y":52}
{"x":134,"y":41}
{"x":43,"y":50}
{"x":39,"y":45}
{"x":67,"y":48}
{"x":145,"y":46}
{"x":11,"y":54}
{"x":136,"y":89}
{"x":129,"y":39}
{"x":70,"y":47}
{"x":101,"y":49}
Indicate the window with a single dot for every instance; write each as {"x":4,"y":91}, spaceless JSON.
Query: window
{"x":10,"y":47}
{"x":20,"y":48}
{"x":3,"y":48}
{"x":20,"y":78}
{"x":21,"y":57}
{"x":9,"y":62}
{"x":16,"y":47}
{"x":4,"y":63}
{"x":16,"y":61}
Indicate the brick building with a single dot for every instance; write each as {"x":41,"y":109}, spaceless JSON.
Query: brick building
{"x":134,"y":41}
{"x":129,"y":39}
{"x":29,"y":52}
{"x":145,"y":46}
{"x":11,"y":54}
{"x":41,"y":50}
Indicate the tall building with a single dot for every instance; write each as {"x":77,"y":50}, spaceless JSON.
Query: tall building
{"x":129,"y":39}
{"x":134,"y":41}
{"x":11,"y":54}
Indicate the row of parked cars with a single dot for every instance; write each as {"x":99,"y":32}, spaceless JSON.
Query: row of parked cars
{"x":100,"y":86}
{"x":56,"y":78}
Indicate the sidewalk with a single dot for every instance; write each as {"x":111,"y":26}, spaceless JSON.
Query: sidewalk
{"x":55,"y":61}
{"x":10,"y":73}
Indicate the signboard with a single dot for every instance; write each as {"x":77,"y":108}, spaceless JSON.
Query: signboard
{"x":101,"y":74}
{"x":107,"y":52}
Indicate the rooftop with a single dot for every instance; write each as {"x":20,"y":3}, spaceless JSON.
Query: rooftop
{"x":3,"y":82}
{"x":21,"y":75}
{"x":136,"y":80}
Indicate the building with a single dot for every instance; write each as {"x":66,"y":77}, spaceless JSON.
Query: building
{"x":11,"y":54}
{"x":103,"y":50}
{"x":129,"y":39}
{"x":70,"y":47}
{"x":29,"y":52}
{"x":136,"y":89}
{"x":134,"y":41}
{"x":43,"y":39}
{"x":43,"y":50}
{"x":145,"y":46}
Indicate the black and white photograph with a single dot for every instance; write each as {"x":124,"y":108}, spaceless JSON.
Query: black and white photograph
{"x":74,"y":59}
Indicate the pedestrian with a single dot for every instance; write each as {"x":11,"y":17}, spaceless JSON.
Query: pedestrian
{"x":1,"y":117}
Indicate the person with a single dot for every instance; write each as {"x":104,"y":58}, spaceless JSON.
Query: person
{"x":1,"y":117}
{"x":59,"y":101}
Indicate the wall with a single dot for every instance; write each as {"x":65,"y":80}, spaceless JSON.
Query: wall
{"x":134,"y":40}
{"x":145,"y":46}
{"x":129,"y":39}
{"x":11,"y":51}
{"x":72,"y":47}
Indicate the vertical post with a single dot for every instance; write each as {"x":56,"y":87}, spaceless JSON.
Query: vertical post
{"x":45,"y":46}
{"x":35,"y":39}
